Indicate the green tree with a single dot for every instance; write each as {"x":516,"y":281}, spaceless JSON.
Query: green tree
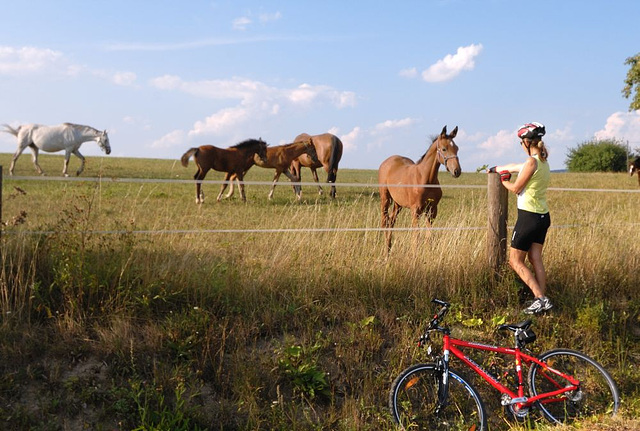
{"x":632,"y":83}
{"x":608,"y":155}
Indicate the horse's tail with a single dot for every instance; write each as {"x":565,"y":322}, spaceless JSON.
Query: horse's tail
{"x":336,"y":154}
{"x":9,"y":129}
{"x":185,"y":157}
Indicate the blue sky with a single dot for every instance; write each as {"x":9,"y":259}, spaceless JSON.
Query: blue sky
{"x":384,"y":76}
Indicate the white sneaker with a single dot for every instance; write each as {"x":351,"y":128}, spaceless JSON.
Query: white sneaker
{"x":538,"y":306}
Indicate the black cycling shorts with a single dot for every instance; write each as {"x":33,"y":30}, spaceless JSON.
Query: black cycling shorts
{"x":530,"y":227}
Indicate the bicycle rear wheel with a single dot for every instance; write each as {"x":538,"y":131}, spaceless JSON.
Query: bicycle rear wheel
{"x":413,"y":401}
{"x":597,"y":394}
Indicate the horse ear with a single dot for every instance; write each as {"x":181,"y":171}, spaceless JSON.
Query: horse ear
{"x":444,"y":131}
{"x":454,"y":132}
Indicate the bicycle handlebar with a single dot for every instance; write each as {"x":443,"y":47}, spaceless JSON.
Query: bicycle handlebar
{"x":439,"y":315}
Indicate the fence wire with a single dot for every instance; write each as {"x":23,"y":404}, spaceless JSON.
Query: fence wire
{"x":290,"y":230}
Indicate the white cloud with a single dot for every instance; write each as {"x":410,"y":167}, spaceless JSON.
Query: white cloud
{"x":236,"y":88}
{"x":124,"y":78}
{"x":392,"y":124}
{"x":344,"y":99}
{"x":409,"y":73}
{"x":254,"y":100}
{"x":28,"y":59}
{"x":255,"y":92}
{"x":32,"y":60}
{"x":220,"y":122}
{"x":349,"y":141}
{"x":305,"y":93}
{"x":452,"y":65}
{"x":241,"y":23}
{"x":563,"y":135}
{"x":621,"y":125}
{"x":166,"y":82}
{"x":267,"y":17}
{"x":173,"y":139}
{"x":500,"y":143}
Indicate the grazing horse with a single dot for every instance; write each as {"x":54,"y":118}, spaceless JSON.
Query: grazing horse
{"x":328,"y":151}
{"x":398,"y":170}
{"x":235,"y":160}
{"x":634,"y":168}
{"x":66,"y":136}
{"x":280,"y":158}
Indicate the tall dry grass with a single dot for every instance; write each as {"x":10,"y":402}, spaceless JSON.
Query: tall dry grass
{"x":300,"y":329}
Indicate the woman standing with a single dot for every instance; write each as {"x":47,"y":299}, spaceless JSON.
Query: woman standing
{"x":533,"y":213}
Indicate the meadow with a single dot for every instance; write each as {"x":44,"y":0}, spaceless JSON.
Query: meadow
{"x":127,"y":306}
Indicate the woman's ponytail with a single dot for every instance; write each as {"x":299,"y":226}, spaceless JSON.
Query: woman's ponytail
{"x":544,"y":153}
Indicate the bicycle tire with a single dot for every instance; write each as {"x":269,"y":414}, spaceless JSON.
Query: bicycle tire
{"x":413,"y":400}
{"x":598,"y":394}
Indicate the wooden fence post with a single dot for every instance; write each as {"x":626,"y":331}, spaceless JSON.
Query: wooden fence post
{"x":498,"y":212}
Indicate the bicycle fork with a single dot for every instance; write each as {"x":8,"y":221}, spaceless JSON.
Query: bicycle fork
{"x":442,"y":367}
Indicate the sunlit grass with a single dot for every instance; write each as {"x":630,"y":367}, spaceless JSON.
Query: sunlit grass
{"x":139,"y":276}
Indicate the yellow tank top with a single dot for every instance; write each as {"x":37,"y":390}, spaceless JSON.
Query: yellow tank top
{"x":534,"y":196}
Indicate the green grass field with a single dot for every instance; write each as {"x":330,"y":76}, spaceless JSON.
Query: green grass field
{"x":127,"y":306}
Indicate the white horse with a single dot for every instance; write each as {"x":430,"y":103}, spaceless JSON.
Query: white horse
{"x":66,"y":136}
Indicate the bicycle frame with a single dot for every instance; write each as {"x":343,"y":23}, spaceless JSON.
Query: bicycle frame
{"x":451,"y":345}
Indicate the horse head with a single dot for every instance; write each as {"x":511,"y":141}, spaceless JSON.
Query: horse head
{"x":103,"y":142}
{"x":262,"y":150}
{"x":448,"y":151}
{"x":311,"y":150}
{"x":634,"y":167}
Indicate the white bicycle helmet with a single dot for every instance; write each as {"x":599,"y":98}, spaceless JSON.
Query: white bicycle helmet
{"x":531,"y":131}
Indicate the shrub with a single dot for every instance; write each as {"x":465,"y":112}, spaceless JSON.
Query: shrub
{"x":608,"y":155}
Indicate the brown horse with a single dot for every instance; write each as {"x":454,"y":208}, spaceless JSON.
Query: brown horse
{"x":634,"y":168}
{"x":329,"y":152}
{"x":280,"y":158}
{"x":398,"y":170}
{"x":235,"y":160}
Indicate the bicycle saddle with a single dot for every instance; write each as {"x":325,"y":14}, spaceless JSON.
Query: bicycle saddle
{"x":515,"y":326}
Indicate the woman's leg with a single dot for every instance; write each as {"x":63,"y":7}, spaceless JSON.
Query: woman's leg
{"x":516,"y":260}
{"x":535,"y":257}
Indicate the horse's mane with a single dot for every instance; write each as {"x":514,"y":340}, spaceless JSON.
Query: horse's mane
{"x":75,"y":126}
{"x":79,"y":126}
{"x":433,"y":138}
{"x":248,"y":143}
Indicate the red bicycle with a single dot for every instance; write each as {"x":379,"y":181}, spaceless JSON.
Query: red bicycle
{"x":565,"y":385}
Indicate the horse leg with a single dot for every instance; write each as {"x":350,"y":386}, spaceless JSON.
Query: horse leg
{"x":392,"y":222}
{"x":385,"y":200}
{"x":81,"y":157}
{"x":388,"y":221}
{"x":199,"y":176}
{"x":231,"y":190}
{"x":224,"y":186}
{"x":34,"y":158}
{"x":430,"y":211}
{"x":273,"y":185}
{"x":296,"y":189}
{"x":332,"y":179}
{"x":242,"y":193}
{"x":315,"y":178}
{"x":15,"y":157}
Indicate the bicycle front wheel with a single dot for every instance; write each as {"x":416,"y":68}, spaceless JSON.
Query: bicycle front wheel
{"x":596,"y":395}
{"x":414,"y":405}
